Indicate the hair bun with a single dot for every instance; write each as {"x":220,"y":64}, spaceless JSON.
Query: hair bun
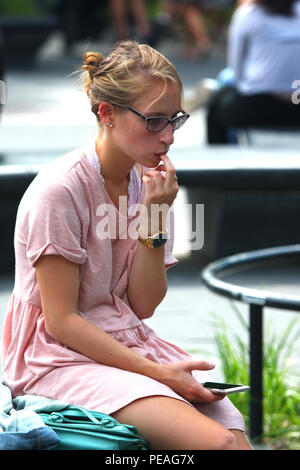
{"x":91,"y":62}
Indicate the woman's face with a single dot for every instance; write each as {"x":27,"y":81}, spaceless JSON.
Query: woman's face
{"x":132,"y":137}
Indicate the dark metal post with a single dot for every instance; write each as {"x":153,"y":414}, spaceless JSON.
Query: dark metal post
{"x":256,"y":372}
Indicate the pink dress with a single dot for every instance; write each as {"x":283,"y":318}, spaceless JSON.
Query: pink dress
{"x":62,"y":212}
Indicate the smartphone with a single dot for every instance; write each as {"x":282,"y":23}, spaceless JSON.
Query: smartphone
{"x":225,"y":389}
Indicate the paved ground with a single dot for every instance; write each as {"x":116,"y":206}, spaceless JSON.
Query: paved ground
{"x":46,"y":115}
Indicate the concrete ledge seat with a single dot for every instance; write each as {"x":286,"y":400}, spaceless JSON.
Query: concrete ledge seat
{"x":282,"y":137}
{"x":234,"y":167}
{"x":14,"y":180}
{"x":251,"y":196}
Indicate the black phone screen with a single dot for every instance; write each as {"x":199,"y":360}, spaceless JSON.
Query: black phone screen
{"x":219,"y":385}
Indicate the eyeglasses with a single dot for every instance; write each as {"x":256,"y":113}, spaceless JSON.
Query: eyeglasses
{"x":158,"y":123}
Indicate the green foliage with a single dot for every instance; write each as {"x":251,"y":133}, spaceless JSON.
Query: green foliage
{"x":281,"y":405}
{"x":154,"y":7}
{"x":18,"y":7}
{"x":27,"y":7}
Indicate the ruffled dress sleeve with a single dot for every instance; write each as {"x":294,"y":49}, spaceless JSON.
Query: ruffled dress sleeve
{"x":53,"y":223}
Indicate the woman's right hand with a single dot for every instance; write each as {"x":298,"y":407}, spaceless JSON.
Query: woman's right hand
{"x":178,"y":376}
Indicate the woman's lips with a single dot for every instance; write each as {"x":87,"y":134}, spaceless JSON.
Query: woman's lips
{"x":157,"y":157}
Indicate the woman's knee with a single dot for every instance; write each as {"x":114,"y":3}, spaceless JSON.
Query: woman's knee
{"x":225,"y":440}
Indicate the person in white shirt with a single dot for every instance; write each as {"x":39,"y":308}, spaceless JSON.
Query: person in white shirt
{"x":263,"y":52}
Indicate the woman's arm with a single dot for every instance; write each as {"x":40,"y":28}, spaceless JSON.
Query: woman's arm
{"x":58,"y":281}
{"x":147,"y":284}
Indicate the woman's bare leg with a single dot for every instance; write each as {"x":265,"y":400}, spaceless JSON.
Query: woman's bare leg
{"x":167,"y":423}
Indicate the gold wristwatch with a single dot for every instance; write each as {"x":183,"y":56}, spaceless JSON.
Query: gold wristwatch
{"x":157,"y":240}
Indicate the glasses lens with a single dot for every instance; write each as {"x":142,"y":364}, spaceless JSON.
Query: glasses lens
{"x":179,"y":121}
{"x":156,"y":124}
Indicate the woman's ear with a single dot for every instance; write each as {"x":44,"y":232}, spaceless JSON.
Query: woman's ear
{"x":106,"y":113}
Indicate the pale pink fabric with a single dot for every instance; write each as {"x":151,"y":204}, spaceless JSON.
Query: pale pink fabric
{"x":59,"y":214}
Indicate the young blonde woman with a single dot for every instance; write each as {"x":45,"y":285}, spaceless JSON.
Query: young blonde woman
{"x":90,"y":269}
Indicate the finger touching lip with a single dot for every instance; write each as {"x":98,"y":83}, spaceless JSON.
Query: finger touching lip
{"x":164,"y":157}
{"x":162,"y":153}
{"x":167,"y":162}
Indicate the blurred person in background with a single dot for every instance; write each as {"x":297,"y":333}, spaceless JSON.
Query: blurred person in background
{"x":2,"y":88}
{"x":199,"y":44}
{"x":121,"y":12}
{"x":263,"y":53}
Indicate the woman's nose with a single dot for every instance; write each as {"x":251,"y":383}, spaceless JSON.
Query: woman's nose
{"x":167,"y":135}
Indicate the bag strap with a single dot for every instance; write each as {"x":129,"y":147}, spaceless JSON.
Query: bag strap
{"x":80,"y":412}
{"x":88,"y":414}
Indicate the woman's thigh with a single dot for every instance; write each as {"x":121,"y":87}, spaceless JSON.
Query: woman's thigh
{"x":168,"y":423}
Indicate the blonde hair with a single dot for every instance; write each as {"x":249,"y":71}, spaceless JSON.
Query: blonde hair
{"x":125,"y":74}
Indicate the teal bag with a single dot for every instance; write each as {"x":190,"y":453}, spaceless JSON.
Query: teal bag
{"x":81,"y":429}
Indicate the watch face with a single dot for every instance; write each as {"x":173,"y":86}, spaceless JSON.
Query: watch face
{"x":160,"y":240}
